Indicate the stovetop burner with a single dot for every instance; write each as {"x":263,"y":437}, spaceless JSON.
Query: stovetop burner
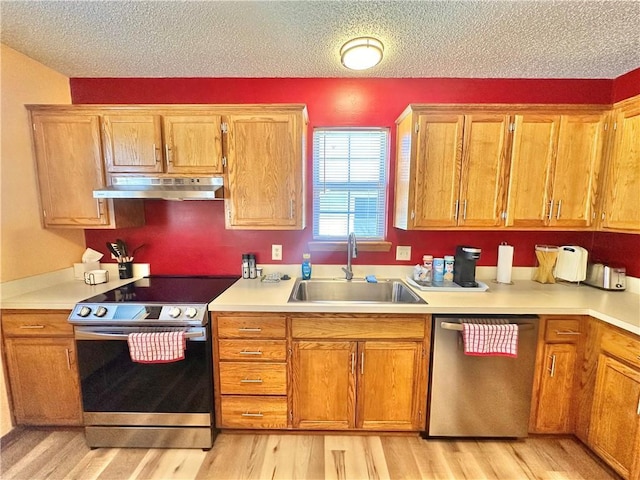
{"x":158,"y":300}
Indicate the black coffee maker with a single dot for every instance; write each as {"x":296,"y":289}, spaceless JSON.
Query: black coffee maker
{"x":464,"y":268}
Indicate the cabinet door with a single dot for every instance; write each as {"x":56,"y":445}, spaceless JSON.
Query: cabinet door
{"x":70,"y":167}
{"x":193,"y":144}
{"x":265,"y":172}
{"x":132,"y":143}
{"x":44,"y":381}
{"x":532,"y":154}
{"x":390,"y":386}
{"x":324,"y":385}
{"x":436,"y":182}
{"x":615,"y":417}
{"x":580,"y":143}
{"x":482,"y":188}
{"x":622,"y":190}
{"x":553,"y":410}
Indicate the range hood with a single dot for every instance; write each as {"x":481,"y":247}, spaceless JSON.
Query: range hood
{"x":167,"y":188}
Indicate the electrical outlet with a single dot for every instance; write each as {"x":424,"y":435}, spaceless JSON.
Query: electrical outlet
{"x":403,"y":253}
{"x":276,"y":252}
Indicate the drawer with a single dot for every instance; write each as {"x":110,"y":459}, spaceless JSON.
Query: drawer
{"x":252,"y":378}
{"x":36,"y":325}
{"x":253,"y":412}
{"x":358,"y":327}
{"x":253,"y":350}
{"x":565,"y":330}
{"x":625,"y":347}
{"x":254,"y":326}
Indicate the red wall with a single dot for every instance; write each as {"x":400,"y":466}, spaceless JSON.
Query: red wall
{"x":190,"y":238}
{"x":627,"y":85}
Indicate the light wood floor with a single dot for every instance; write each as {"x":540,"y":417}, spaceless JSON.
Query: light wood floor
{"x":34,"y":454}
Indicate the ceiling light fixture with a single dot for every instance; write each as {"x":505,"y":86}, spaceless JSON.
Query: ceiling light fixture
{"x":361,"y":53}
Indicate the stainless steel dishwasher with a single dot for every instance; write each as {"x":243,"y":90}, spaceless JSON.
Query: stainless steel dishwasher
{"x":480,"y":396}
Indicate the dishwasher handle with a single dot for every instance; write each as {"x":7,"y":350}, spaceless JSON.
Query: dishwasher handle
{"x":458,"y":326}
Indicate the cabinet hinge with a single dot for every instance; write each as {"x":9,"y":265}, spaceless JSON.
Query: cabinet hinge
{"x":512,"y":127}
{"x":606,"y":126}
{"x":224,"y":162}
{"x":229,"y":215}
{"x":413,"y":214}
{"x":615,"y":125}
{"x":224,"y":127}
{"x":417,"y":127}
{"x":503,"y":215}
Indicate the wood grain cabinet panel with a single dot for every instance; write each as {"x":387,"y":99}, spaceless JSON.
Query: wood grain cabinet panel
{"x":132,"y":143}
{"x":251,"y":326}
{"x":42,"y":368}
{"x":553,"y":175}
{"x":253,"y":412}
{"x":193,"y":144}
{"x":620,"y":210}
{"x":450,"y":169}
{"x":250,"y":350}
{"x":615,"y":418}
{"x":265,"y":169}
{"x":252,"y":378}
{"x":366,"y":384}
{"x":70,"y":167}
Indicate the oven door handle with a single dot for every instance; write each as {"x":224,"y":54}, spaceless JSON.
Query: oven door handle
{"x":85,"y":335}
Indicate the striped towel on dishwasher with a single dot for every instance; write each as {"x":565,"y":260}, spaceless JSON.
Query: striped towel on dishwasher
{"x":156,"y":347}
{"x":483,"y":339}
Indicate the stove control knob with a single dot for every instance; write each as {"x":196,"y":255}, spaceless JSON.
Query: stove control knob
{"x":174,"y":312}
{"x":101,"y":312}
{"x":191,"y":312}
{"x":84,"y":311}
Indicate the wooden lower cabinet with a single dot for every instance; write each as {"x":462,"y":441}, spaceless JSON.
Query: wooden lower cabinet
{"x":614,"y":429}
{"x":42,"y":368}
{"x":349,"y":383}
{"x":553,"y":406}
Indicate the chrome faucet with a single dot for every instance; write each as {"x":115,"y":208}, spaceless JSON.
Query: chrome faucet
{"x":352,"y":252}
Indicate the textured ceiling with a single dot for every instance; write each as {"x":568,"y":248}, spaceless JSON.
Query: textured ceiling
{"x":483,"y":39}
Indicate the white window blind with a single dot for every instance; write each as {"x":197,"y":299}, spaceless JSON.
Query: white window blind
{"x":349,"y":183}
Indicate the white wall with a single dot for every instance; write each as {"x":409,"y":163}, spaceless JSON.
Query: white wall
{"x":25,"y":247}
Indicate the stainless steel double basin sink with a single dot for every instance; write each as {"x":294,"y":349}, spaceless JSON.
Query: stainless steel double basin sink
{"x":336,"y":290}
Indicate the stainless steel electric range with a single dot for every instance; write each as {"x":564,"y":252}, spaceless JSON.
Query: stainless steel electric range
{"x":131,"y":404}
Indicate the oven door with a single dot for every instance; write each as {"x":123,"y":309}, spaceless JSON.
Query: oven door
{"x":118,"y":391}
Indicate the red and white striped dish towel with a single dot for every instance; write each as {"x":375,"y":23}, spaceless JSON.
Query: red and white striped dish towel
{"x":483,"y":339}
{"x":157,"y":347}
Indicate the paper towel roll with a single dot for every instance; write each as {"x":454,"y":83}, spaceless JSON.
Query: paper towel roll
{"x":505,"y":262}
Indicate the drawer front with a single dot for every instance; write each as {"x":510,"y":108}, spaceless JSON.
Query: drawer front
{"x":251,"y":378}
{"x":249,"y":350}
{"x":36,"y":325}
{"x":565,"y":330}
{"x":358,"y":328}
{"x":621,"y":345}
{"x":253,"y":412}
{"x":255,"y":326}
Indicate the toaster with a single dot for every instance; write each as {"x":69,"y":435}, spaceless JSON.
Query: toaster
{"x":607,"y":277}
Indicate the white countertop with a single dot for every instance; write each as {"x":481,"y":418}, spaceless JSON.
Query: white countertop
{"x":522,"y":297}
{"x":60,"y":291}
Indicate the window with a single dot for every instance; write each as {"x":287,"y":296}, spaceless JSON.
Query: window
{"x":349,"y":183}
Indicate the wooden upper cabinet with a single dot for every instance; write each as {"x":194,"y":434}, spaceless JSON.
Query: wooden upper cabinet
{"x":429,"y":156}
{"x":622,"y":188}
{"x":554,"y":164}
{"x":533,"y":151}
{"x":70,"y":167}
{"x":574,"y":179}
{"x":193,"y":143}
{"x":132,"y":143}
{"x":482,"y":185}
{"x":265,"y":169}
{"x":163,"y":143}
{"x":450,"y":169}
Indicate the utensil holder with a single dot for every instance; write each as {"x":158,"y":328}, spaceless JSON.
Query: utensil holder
{"x":125,"y":270}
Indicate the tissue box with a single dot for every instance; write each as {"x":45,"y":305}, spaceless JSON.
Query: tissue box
{"x":80,"y":268}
